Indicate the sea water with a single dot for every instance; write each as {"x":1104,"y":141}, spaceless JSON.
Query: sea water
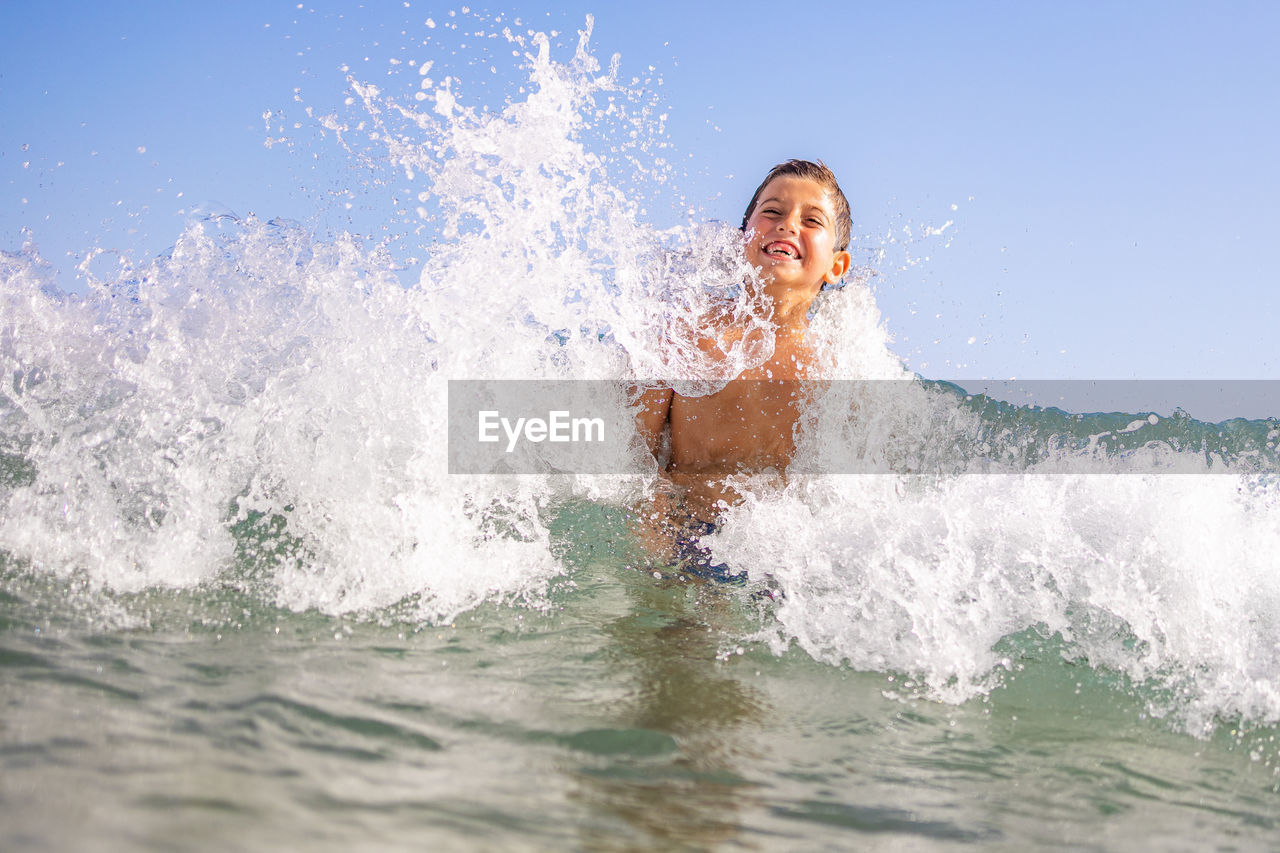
{"x":244,"y":604}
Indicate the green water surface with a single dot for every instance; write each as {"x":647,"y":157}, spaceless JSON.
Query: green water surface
{"x":628,"y":714}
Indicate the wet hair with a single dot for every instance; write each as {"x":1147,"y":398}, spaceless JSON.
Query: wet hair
{"x":819,"y":173}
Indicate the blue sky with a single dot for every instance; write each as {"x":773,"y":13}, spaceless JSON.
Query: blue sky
{"x":1112,"y":166}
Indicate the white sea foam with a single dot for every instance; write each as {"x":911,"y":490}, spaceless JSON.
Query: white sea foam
{"x":261,"y":383}
{"x":1165,"y":578}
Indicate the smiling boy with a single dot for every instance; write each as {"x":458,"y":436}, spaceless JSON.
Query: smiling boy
{"x":797,"y":228}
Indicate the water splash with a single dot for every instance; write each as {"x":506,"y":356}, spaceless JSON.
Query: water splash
{"x":265,"y":408}
{"x":1151,"y":563}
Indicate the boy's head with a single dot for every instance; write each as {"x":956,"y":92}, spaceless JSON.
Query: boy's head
{"x":819,"y":173}
{"x":797,"y":228}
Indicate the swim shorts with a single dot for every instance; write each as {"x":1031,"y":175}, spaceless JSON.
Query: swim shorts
{"x":695,"y":559}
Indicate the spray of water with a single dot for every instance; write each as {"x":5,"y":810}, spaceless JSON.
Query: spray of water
{"x":264,"y":407}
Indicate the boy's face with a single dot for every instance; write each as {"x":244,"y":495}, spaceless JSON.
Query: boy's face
{"x":791,"y":234}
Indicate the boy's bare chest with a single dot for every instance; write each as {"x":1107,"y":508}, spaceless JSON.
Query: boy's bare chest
{"x":750,"y":421}
{"x":791,"y":358}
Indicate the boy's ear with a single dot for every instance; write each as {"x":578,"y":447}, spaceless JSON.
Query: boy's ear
{"x":840,"y":264}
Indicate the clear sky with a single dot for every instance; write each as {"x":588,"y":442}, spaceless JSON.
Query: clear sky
{"x":1112,"y":166}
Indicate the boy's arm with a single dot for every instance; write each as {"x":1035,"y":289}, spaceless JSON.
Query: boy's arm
{"x":653,"y":411}
{"x":653,"y":514}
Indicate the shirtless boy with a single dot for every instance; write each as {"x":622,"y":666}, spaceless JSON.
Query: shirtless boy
{"x":797,"y":228}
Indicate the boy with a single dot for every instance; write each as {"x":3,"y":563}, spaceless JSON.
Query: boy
{"x":797,"y":228}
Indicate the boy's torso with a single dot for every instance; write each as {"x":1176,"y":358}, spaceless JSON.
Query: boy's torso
{"x":746,"y":427}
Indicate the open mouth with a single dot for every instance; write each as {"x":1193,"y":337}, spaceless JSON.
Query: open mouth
{"x":782,"y":249}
